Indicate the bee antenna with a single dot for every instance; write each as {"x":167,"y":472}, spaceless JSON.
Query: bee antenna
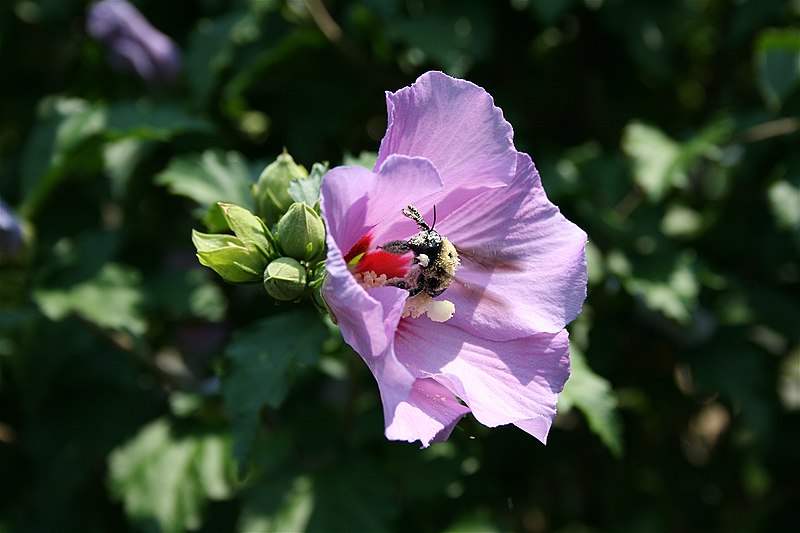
{"x":434,"y":218}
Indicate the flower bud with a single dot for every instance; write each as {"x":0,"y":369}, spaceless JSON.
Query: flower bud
{"x":229,"y":257}
{"x":285,"y":279}
{"x":247,"y":227}
{"x":301,"y":233}
{"x":272,"y":189}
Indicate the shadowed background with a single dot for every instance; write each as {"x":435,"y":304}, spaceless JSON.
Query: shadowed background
{"x":667,"y":130}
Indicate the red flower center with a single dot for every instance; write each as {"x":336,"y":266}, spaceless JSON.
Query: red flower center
{"x":361,"y":259}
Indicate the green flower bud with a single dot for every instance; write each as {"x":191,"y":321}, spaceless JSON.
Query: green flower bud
{"x":248,"y":228}
{"x":301,"y":233}
{"x":272,"y":189}
{"x":285,"y":279}
{"x":229,"y":257}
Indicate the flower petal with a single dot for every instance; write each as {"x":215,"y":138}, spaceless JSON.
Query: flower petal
{"x":355,"y":201}
{"x":523,"y":265}
{"x":429,"y":413}
{"x":513,"y":382}
{"x":367,"y":320}
{"x":455,"y":124}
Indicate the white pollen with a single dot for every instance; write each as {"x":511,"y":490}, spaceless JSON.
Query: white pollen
{"x":423,"y":260}
{"x":441,"y":310}
{"x":422,"y":303}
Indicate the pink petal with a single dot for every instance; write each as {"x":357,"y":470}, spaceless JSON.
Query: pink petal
{"x":367,"y":320}
{"x":455,"y":124}
{"x":512,"y":382}
{"x":429,"y":413}
{"x":355,"y":201}
{"x":523,"y":265}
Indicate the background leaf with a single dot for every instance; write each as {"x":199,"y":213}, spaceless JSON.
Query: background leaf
{"x":112,"y":300}
{"x":212,"y":177}
{"x":164,"y":476}
{"x":592,"y":395}
{"x":666,"y":130}
{"x":265,"y":359}
{"x":778,"y":64}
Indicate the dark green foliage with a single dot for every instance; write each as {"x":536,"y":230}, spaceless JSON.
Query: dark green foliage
{"x":138,"y":392}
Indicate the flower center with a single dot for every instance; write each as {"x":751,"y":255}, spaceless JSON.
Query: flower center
{"x":425,"y":274}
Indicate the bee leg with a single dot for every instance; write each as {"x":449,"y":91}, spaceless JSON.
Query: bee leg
{"x":396,"y":247}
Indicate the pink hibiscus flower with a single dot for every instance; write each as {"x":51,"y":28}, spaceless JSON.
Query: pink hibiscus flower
{"x":480,"y":330}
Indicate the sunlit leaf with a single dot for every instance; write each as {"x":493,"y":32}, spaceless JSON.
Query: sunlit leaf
{"x":363,"y":159}
{"x":350,"y":496}
{"x":661,"y":163}
{"x":165,"y":475}
{"x":681,"y":221}
{"x":654,"y":157}
{"x":211,"y":177}
{"x":592,"y":395}
{"x":112,"y":299}
{"x":278,"y":504}
{"x":784,"y":199}
{"x":668,"y":287}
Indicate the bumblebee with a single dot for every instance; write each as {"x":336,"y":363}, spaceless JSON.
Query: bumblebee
{"x":436,"y":256}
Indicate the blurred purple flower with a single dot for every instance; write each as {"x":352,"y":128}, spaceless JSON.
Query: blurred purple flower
{"x":12,"y":240}
{"x":133,"y":44}
{"x":504,"y":353}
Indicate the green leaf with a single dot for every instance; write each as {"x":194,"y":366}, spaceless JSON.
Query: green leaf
{"x":278,"y":504}
{"x":352,"y":496}
{"x":681,"y":221}
{"x":349,"y":496}
{"x":64,"y":124}
{"x":306,"y":190}
{"x":211,"y":177}
{"x":364,"y":159}
{"x":146,"y":120}
{"x":120,"y":159}
{"x":654,"y":157}
{"x":778,"y":64}
{"x":185,"y":294}
{"x":661,"y":163}
{"x":592,"y":395}
{"x":667,"y":284}
{"x":209,"y":52}
{"x":165,"y":476}
{"x":784,"y":200}
{"x":264,"y":359}
{"x":111,"y":299}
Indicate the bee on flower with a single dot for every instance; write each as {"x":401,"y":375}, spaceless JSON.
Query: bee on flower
{"x":466,"y":313}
